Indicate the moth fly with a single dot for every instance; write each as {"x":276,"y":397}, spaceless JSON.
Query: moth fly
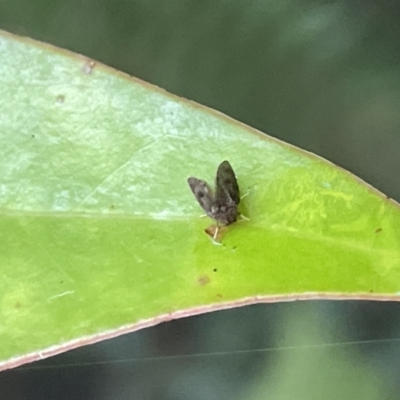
{"x":221,"y":205}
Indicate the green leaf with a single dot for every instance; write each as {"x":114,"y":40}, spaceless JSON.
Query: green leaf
{"x":101,"y":235}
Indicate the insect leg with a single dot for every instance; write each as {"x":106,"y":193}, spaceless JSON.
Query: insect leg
{"x":216,"y":232}
{"x":244,"y":218}
{"x":244,"y":195}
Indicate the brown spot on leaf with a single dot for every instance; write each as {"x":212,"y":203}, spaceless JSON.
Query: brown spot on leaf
{"x":215,"y":270}
{"x":89,"y":66}
{"x":378,"y":230}
{"x":219,"y":295}
{"x":60,"y":98}
{"x":203,"y":280}
{"x":210,"y":231}
{"x":17,"y":304}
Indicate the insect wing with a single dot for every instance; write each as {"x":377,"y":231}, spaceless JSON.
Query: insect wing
{"x":203,"y":194}
{"x":227,"y":188}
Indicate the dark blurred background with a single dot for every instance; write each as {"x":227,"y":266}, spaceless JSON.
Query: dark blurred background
{"x":323,"y":75}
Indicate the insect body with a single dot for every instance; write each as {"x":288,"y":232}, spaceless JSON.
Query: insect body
{"x":221,"y":205}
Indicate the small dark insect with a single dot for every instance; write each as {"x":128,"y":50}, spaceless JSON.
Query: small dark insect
{"x":221,"y":205}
